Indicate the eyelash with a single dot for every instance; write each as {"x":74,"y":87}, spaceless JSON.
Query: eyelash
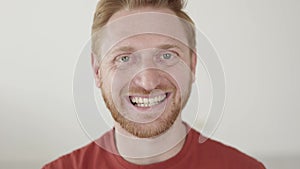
{"x":173,"y":53}
{"x":119,"y":57}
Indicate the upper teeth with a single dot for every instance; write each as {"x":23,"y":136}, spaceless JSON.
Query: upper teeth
{"x":144,"y":102}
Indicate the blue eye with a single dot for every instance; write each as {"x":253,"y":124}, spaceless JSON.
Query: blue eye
{"x":124,"y":58}
{"x":124,"y":61}
{"x":166,"y":58}
{"x":167,"y":55}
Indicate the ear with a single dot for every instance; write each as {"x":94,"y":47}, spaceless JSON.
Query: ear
{"x":193,"y":63}
{"x":95,"y":66}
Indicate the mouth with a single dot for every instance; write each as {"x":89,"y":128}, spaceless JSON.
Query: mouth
{"x":148,"y":101}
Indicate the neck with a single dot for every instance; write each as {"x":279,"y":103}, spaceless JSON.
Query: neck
{"x":144,"y":151}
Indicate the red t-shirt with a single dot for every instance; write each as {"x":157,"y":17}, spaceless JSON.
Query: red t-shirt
{"x":208,"y":155}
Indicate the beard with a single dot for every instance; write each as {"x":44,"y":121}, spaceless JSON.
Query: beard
{"x":149,"y":129}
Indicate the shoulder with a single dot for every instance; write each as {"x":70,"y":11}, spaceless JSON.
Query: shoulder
{"x":89,"y":156}
{"x":75,"y":158}
{"x":215,"y":151}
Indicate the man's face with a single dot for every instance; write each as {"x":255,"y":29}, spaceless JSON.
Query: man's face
{"x":146,"y":81}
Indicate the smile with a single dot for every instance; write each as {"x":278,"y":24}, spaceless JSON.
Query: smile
{"x":147,"y":101}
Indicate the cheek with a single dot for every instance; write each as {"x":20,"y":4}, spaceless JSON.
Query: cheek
{"x":182,"y":75}
{"x":121,"y":78}
{"x":120,"y":81}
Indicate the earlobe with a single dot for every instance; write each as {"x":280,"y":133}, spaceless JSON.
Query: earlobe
{"x":95,"y":67}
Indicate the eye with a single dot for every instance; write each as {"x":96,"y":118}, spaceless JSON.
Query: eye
{"x":125,"y":61}
{"x":167,"y":56}
{"x":124,"y":58}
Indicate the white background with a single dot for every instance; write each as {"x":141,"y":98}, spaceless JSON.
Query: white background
{"x":257,"y":40}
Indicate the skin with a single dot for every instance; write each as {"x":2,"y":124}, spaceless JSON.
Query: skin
{"x":156,"y":133}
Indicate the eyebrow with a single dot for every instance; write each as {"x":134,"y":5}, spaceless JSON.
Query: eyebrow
{"x":168,"y":46}
{"x":132,"y":49}
{"x":124,"y":49}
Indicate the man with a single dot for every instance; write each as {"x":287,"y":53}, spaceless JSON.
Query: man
{"x":144,"y":61}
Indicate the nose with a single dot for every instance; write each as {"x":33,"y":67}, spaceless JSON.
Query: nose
{"x":147,"y":79}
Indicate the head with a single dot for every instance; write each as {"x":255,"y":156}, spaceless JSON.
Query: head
{"x":145,"y":78}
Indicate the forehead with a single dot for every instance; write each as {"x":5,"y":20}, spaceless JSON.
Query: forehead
{"x":127,"y":26}
{"x":147,"y":41}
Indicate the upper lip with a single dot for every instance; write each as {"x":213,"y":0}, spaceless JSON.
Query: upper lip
{"x":146,"y":96}
{"x":151,"y":94}
{"x":148,"y":99}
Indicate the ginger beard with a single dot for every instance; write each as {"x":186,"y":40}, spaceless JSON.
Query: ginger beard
{"x":159,"y":124}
